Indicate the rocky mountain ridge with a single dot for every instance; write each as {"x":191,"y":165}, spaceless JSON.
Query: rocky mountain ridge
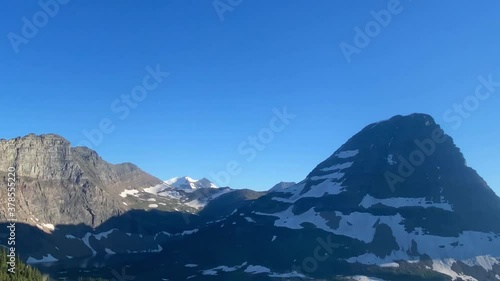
{"x":395,"y":202}
{"x":58,"y":184}
{"x":422,"y":222}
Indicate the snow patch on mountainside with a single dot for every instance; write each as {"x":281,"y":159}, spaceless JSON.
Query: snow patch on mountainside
{"x":347,"y":153}
{"x":328,"y":184}
{"x":44,"y":259}
{"x":486,"y":262}
{"x":288,"y":219}
{"x":156,"y":189}
{"x":127,"y":192}
{"x":468,"y":247}
{"x":189,"y":183}
{"x":105,"y":234}
{"x":316,"y":191}
{"x":328,"y":181}
{"x":365,"y":278}
{"x":250,"y":269}
{"x":187,"y":191}
{"x":86,"y":241}
{"x":109,"y":252}
{"x":201,"y":203}
{"x":338,"y":167}
{"x":391,"y":264}
{"x":225,"y":268}
{"x":361,"y":225}
{"x":256,"y":269}
{"x":331,"y":176}
{"x":444,"y":266}
{"x":292,"y":274}
{"x":197,"y":204}
{"x":399,"y":202}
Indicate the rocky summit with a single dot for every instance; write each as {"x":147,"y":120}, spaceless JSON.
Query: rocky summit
{"x":60,"y":184}
{"x":397,"y":201}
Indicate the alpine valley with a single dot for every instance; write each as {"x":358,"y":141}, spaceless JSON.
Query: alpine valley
{"x":396,"y":202}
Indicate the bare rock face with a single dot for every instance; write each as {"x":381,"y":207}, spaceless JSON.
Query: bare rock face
{"x":59,"y":184}
{"x":42,"y":157}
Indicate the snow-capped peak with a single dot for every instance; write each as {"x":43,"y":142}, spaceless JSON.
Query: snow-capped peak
{"x":189,"y":183}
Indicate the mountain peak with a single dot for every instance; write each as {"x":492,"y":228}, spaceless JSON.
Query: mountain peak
{"x":186,"y":182}
{"x":412,"y":120}
{"x":42,"y":138}
{"x":281,"y":186}
{"x":403,"y":158}
{"x":386,"y":145}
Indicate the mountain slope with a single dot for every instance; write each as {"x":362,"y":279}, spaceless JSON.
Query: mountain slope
{"x":372,"y":208}
{"x":397,"y":201}
{"x":58,"y":184}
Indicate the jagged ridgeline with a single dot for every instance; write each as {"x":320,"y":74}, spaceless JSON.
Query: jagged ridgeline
{"x":397,"y":201}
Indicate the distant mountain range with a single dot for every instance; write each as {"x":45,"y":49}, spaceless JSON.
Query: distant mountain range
{"x":395,"y":202}
{"x":189,"y":183}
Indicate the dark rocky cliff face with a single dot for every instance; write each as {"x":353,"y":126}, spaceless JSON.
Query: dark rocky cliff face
{"x":411,"y":157}
{"x":59,"y":184}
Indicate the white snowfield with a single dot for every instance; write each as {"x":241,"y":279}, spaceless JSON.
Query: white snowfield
{"x":471,"y":247}
{"x":156,"y":189}
{"x":175,"y":188}
{"x":127,"y":192}
{"x":189,"y":183}
{"x":45,"y":259}
{"x":224,"y":268}
{"x":255,"y":269}
{"x":86,"y":240}
{"x":105,"y":234}
{"x":48,"y":226}
{"x":250,"y":269}
{"x":328,"y":177}
{"x":365,"y":278}
{"x":199,"y":204}
{"x":109,"y":252}
{"x":391,"y":264}
{"x":400,"y":202}
{"x":346,"y":153}
{"x":338,"y":167}
{"x":316,"y":191}
{"x":329,"y":183}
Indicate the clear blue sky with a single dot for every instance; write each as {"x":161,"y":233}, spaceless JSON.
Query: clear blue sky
{"x":226,"y":76}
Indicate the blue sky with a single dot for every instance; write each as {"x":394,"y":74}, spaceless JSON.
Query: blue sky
{"x":228,"y":71}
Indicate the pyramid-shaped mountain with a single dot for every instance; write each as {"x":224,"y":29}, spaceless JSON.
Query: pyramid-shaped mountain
{"x":397,"y":201}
